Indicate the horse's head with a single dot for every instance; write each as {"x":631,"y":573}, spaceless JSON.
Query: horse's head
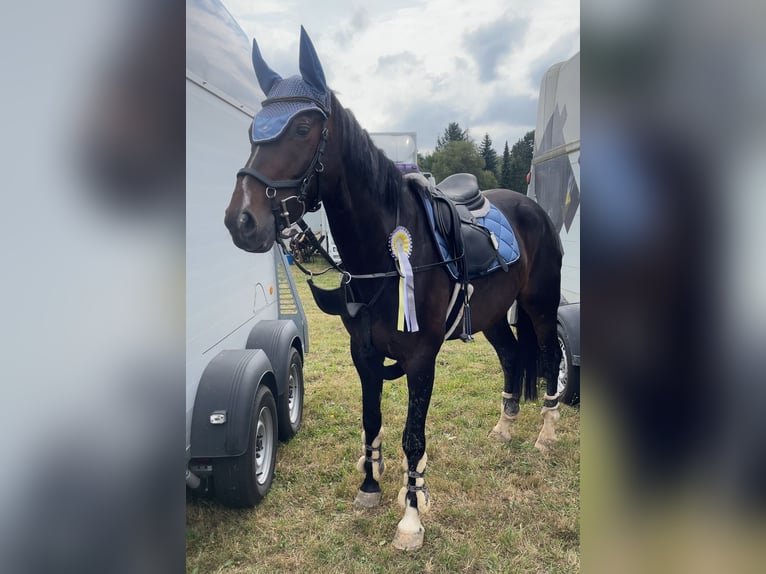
{"x":288,"y":136}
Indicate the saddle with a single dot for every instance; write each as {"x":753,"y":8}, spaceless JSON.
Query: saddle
{"x":471,"y":233}
{"x":463,"y":190}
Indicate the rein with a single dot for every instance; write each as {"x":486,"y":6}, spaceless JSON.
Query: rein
{"x":316,"y":245}
{"x":346,"y":275}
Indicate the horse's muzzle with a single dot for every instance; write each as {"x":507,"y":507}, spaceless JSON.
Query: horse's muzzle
{"x":246,"y":224}
{"x":244,"y":232}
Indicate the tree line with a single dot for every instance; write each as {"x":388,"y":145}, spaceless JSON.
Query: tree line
{"x":456,"y":152}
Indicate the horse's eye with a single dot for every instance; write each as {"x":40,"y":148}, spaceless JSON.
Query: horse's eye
{"x":302,"y":130}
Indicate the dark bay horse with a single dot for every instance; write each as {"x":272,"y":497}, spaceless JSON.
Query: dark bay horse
{"x":306,"y":148}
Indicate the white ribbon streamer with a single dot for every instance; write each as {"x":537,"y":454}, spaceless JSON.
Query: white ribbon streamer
{"x":405,"y":269}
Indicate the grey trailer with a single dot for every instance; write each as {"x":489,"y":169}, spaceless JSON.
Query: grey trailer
{"x":555,"y":185}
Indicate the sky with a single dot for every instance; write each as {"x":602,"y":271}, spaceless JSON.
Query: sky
{"x":419,"y":65}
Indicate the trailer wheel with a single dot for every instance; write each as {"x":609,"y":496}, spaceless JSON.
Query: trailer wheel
{"x":291,"y":403}
{"x":569,"y":374}
{"x":242,"y":481}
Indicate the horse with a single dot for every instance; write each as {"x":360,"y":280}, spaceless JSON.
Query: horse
{"x":307,"y":149}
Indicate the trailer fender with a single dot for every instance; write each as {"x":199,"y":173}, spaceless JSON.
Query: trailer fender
{"x":221,"y":417}
{"x":275,"y":338}
{"x":569,"y":319}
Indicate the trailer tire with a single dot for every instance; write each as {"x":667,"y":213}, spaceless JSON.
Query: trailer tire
{"x":243,"y":481}
{"x":569,"y":373}
{"x":291,"y":402}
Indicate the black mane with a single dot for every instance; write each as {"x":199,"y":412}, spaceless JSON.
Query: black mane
{"x":364,"y":161}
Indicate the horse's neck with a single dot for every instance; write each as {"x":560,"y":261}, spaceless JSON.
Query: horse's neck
{"x":360,"y":226}
{"x":360,"y":221}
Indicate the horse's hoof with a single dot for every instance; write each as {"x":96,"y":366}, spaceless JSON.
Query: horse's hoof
{"x":500,"y":434}
{"x":408,"y":541}
{"x":543,"y":445}
{"x":367,"y":499}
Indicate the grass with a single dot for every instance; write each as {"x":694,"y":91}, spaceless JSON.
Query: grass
{"x":495,"y":507}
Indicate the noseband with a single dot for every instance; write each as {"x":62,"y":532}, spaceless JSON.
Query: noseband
{"x":279,"y":207}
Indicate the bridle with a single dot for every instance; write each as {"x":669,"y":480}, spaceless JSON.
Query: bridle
{"x":279,"y":208}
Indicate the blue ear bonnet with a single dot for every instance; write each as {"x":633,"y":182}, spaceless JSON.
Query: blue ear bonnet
{"x":270,"y":122}
{"x":287,"y":97}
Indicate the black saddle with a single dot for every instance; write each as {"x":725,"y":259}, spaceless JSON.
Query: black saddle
{"x":463,"y":189}
{"x":457,"y":202}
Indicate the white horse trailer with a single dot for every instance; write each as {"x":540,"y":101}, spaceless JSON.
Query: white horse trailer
{"x":555,"y":184}
{"x":246,"y":332}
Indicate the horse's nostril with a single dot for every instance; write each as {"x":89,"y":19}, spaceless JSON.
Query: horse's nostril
{"x":246,"y":223}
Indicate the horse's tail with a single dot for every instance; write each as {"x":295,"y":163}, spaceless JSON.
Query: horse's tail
{"x":525,"y":334}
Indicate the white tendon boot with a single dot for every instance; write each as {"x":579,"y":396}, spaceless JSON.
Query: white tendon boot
{"x":410,"y":532}
{"x":547,"y":435}
{"x":370,"y":499}
{"x":502,"y":430}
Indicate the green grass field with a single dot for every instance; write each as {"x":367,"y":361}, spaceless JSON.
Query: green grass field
{"x":495,"y":507}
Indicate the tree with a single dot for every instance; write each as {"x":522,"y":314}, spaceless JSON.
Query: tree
{"x":456,"y":157}
{"x":461,"y":157}
{"x":425,"y":161}
{"x":487,"y":180}
{"x":452,"y":133}
{"x":489,"y":154}
{"x":505,"y":170}
{"x":521,"y":162}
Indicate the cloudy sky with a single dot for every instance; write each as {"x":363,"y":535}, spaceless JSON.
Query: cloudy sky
{"x":417,"y":65}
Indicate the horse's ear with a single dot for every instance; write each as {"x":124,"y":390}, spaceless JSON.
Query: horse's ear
{"x":266,"y":76}
{"x":311,"y":69}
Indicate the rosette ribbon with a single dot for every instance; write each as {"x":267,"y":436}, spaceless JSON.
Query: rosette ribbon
{"x":401,"y":249}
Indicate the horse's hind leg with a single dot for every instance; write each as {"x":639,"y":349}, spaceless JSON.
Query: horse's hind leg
{"x":507,"y":348}
{"x":371,"y":462}
{"x":544,"y":317}
{"x":550,"y":357}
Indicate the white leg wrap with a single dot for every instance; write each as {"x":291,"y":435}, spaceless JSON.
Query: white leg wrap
{"x":424,"y":502}
{"x":378,"y":466}
{"x":547,"y":435}
{"x":410,"y":532}
{"x":402,"y":498}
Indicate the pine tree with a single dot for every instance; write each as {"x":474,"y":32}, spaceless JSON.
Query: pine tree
{"x":489,"y":154}
{"x":452,"y":133}
{"x":521,"y":161}
{"x":505,"y":170}
{"x":425,"y":161}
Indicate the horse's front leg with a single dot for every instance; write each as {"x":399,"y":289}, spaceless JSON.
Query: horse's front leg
{"x":371,"y":462}
{"x":413,"y":496}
